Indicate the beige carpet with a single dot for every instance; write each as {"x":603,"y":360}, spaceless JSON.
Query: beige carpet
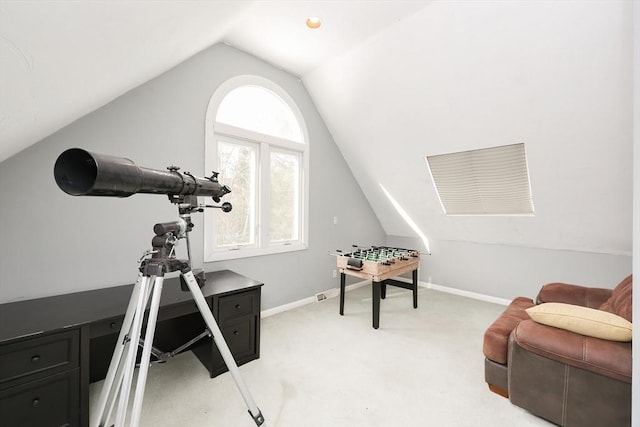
{"x":423,"y":367}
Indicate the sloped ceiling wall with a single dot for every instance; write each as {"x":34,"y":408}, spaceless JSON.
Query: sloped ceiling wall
{"x":395,"y":81}
{"x":463,"y":75}
{"x":60,"y":60}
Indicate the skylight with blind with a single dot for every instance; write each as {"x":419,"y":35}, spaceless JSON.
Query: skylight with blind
{"x":489,"y":181}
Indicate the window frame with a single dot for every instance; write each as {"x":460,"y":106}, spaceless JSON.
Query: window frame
{"x":229,"y":139}
{"x":215,"y":131}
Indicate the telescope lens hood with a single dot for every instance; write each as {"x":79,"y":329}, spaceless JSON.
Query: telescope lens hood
{"x":75,"y":171}
{"x":81,"y":173}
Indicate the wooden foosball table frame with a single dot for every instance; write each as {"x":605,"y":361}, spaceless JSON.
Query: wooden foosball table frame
{"x":380,"y":274}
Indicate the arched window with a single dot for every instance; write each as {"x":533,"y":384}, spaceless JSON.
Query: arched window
{"x":258,"y":109}
{"x":256,"y":139}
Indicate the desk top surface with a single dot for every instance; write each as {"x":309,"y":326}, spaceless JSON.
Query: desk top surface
{"x":31,"y":317}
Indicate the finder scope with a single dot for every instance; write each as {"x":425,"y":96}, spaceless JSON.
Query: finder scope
{"x":81,"y":173}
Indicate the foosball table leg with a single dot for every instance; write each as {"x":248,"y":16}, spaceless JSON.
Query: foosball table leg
{"x":376,"y":303}
{"x":342,"y":280}
{"x":415,"y":288}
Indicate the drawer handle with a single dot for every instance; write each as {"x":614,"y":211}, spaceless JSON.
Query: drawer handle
{"x":236,"y":333}
{"x":35,"y":359}
{"x":113,"y":325}
{"x":35,"y":402}
{"x":237,"y":305}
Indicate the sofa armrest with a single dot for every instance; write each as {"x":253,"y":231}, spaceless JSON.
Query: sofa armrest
{"x":573,"y":294}
{"x":604,"y":357}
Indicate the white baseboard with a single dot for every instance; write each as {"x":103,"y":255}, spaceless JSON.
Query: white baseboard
{"x":309,"y":300}
{"x":468,"y":294}
{"x":286,"y":307}
{"x":433,"y":286}
{"x":460,"y":292}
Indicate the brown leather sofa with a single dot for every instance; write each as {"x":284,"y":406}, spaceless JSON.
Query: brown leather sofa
{"x":565,"y":377}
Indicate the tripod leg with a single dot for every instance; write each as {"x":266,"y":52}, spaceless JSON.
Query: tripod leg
{"x":132,"y":351}
{"x":114,"y":374}
{"x":146,"y":350}
{"x":222,"y":346}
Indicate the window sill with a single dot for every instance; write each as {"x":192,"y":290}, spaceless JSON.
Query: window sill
{"x":252,"y":252}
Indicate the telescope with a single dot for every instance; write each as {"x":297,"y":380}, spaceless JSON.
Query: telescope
{"x":81,"y":173}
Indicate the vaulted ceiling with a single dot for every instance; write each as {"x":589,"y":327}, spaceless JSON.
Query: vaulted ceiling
{"x":62,"y":59}
{"x":394,"y":80}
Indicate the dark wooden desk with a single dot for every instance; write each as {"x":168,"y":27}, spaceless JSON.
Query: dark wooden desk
{"x":52,"y":348}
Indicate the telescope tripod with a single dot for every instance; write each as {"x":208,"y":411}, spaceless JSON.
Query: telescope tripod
{"x":121,"y":369}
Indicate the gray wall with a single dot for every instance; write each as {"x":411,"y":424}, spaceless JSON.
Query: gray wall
{"x":53,"y":243}
{"x":509,"y":271}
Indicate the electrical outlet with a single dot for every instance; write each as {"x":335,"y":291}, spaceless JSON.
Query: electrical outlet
{"x":335,"y":273}
{"x":329,"y":293}
{"x":335,"y":220}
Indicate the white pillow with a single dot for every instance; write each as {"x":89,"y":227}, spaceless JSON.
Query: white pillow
{"x":582,"y":320}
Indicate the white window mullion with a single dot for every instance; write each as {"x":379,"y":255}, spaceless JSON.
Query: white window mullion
{"x":263,"y":200}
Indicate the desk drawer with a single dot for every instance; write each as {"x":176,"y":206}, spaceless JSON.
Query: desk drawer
{"x":44,"y":355}
{"x":240,"y":336}
{"x":50,"y":402}
{"x":105,"y":327}
{"x":238,"y":305}
{"x":113,"y":325}
{"x":178,"y":310}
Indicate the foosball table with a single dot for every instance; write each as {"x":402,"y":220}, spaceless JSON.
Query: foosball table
{"x":378,"y":264}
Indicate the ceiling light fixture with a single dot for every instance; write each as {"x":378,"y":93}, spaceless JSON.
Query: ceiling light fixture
{"x":313,"y":22}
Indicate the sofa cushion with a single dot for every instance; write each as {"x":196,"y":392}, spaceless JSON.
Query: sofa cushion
{"x":582,"y":320}
{"x":620,"y":302}
{"x":496,"y":337}
{"x":573,"y":294}
{"x":604,"y":357}
{"x":565,"y":394}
